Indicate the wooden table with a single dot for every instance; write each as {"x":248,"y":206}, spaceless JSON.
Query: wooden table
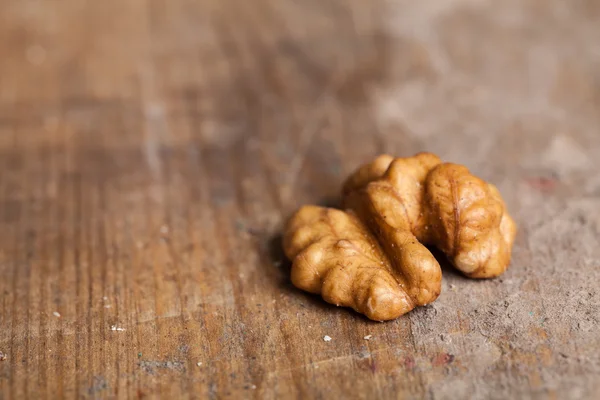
{"x":150,"y":152}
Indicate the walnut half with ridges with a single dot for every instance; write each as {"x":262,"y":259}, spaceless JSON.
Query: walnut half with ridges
{"x":372,"y":256}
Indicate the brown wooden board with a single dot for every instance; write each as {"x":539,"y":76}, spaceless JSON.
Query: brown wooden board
{"x":150,"y":152}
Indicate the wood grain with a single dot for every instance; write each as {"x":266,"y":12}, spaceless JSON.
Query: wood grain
{"x":150,"y":152}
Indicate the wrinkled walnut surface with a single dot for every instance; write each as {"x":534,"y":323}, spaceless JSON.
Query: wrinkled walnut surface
{"x":372,"y":256}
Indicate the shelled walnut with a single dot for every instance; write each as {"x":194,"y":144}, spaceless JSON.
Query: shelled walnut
{"x":372,"y":256}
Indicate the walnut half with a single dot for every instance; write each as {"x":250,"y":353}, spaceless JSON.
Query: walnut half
{"x":372,"y":256}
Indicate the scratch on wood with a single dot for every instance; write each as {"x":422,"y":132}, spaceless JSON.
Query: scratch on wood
{"x":155,"y":125}
{"x":151,"y":366}
{"x":308,"y":132}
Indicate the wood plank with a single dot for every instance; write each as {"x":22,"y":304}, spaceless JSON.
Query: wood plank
{"x":150,"y":152}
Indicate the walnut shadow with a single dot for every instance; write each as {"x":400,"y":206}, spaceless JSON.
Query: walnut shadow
{"x":448,"y":270}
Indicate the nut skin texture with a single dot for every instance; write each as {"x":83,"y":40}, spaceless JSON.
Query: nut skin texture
{"x":469,"y":221}
{"x":372,"y":256}
{"x":446,"y":207}
{"x":335,"y":255}
{"x":391,"y":208}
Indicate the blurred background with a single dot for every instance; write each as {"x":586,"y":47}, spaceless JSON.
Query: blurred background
{"x":151,"y":150}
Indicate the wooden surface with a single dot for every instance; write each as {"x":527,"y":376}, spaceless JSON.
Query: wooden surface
{"x":151,"y":150}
